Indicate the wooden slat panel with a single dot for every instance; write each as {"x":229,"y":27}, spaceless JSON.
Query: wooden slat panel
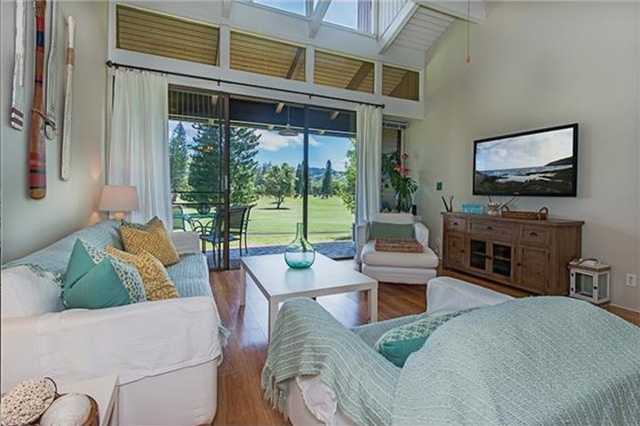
{"x":340,"y":71}
{"x":265,"y":56}
{"x":156,"y":34}
{"x":400,"y":83}
{"x":387,"y":11}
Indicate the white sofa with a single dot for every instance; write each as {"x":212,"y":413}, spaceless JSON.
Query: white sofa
{"x":312,"y":403}
{"x":166,"y":353}
{"x":401,"y":268}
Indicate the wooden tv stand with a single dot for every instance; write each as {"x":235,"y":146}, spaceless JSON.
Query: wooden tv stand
{"x":527,"y":254}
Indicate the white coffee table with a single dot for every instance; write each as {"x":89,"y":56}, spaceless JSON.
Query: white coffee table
{"x":278,"y":282}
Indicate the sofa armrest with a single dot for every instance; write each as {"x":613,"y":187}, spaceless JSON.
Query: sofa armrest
{"x":422,"y":233}
{"x":446,"y":294}
{"x":133,"y":341}
{"x":186,"y":242}
{"x":362,"y":237}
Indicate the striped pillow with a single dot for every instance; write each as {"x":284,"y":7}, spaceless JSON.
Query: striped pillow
{"x":390,"y":230}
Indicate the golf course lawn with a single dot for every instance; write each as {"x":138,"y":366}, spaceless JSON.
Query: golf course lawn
{"x":329,"y":220}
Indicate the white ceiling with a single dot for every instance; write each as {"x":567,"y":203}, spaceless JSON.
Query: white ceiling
{"x":423,"y":29}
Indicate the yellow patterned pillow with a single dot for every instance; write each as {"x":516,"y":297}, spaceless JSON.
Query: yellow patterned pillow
{"x":153,"y":238}
{"x":157,"y":283}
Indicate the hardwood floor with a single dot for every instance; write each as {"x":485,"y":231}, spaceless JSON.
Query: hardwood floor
{"x":240,"y":397}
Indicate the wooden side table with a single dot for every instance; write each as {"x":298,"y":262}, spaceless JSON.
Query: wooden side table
{"x":104,"y":390}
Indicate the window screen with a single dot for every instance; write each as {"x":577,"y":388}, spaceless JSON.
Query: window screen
{"x":158,"y":34}
{"x":343,"y":72}
{"x":265,"y":56}
{"x":400,"y":83}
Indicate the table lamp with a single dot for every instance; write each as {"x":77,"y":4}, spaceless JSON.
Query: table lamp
{"x":119,"y":200}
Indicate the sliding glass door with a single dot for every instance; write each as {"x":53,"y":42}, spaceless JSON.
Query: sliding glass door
{"x":244,"y":171}
{"x":198,"y":155}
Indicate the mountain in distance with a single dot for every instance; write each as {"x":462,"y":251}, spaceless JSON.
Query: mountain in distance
{"x":561,"y":162}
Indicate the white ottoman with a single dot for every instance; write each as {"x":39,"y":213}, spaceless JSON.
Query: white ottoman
{"x":446,"y":294}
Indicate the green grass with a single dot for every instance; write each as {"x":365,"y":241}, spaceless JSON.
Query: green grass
{"x":329,"y":220}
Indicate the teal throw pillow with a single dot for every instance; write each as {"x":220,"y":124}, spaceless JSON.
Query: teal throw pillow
{"x":390,"y":230}
{"x":97,"y":280}
{"x":398,"y":343}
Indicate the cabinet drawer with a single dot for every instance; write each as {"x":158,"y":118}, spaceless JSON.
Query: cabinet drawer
{"x":492,"y":230}
{"x":534,"y":235}
{"x":458,"y":224}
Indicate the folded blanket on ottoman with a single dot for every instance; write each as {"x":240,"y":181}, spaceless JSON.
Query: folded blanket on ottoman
{"x":533,"y":361}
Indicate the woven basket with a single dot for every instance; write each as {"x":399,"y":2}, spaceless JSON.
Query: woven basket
{"x":541,"y":214}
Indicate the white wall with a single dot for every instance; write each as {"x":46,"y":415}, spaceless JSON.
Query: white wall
{"x":538,"y":64}
{"x":29,"y":224}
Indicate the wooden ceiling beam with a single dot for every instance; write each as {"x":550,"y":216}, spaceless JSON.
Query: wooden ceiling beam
{"x":295,"y":63}
{"x":360,"y":75}
{"x":226,"y":8}
{"x":318,"y":14}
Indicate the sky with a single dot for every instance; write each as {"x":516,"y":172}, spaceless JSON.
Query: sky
{"x":341,"y":12}
{"x":524,"y":151}
{"x":278,"y":149}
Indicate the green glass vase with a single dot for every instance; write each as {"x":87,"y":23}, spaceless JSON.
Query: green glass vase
{"x":300,"y":253}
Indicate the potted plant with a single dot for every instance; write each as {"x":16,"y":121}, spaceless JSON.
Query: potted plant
{"x":404,"y":186}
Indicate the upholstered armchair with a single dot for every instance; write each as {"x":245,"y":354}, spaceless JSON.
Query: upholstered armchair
{"x":394,"y":267}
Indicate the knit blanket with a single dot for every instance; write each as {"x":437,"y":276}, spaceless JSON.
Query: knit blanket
{"x":307,"y":340}
{"x":533,"y":361}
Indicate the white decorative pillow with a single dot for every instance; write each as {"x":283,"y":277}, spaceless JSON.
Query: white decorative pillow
{"x":27,"y":290}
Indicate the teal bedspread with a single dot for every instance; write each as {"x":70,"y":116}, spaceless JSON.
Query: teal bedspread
{"x":533,"y":361}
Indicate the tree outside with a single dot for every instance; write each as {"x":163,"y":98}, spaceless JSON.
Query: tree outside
{"x":279,"y":183}
{"x":179,"y":160}
{"x":261,"y":174}
{"x":327,"y":181}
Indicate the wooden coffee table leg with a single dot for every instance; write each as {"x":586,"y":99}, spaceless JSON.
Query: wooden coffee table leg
{"x":373,"y":304}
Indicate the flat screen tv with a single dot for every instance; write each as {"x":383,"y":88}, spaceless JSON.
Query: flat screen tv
{"x":535,"y":163}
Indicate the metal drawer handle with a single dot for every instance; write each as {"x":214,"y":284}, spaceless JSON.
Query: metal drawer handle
{"x":455,"y":223}
{"x":533,"y":234}
{"x":489,"y":228}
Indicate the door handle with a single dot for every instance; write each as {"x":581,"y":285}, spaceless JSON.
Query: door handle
{"x":489,"y":228}
{"x":533,"y":234}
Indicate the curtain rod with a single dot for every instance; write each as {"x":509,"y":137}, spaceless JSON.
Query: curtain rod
{"x":111,"y":64}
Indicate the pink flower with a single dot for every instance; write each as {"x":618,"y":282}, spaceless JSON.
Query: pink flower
{"x":405,"y":156}
{"x":397,"y":169}
{"x":406,"y":171}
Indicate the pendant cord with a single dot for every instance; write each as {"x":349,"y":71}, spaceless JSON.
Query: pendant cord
{"x":468,"y":59}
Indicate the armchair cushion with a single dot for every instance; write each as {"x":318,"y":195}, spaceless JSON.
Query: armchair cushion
{"x":426,"y":259}
{"x":390,"y":230}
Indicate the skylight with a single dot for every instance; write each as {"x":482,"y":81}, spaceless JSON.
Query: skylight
{"x":299,"y":7}
{"x":354,"y":14}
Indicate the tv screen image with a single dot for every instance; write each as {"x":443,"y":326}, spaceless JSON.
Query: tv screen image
{"x":538,"y":163}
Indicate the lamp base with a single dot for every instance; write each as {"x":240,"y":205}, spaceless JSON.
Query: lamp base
{"x":118,"y":215}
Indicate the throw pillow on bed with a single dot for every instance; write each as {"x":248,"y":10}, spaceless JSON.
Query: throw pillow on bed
{"x":96,"y":280}
{"x":390,"y":230}
{"x":157,"y":284}
{"x":151,"y":237}
{"x":398,"y":343}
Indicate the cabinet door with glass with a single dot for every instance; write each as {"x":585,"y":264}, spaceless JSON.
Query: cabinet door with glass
{"x":502,"y":264}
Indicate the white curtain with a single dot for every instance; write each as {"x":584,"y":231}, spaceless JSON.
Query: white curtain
{"x":139,"y":146}
{"x":369,"y":159}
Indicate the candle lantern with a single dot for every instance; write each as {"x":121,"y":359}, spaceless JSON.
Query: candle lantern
{"x":590,"y":280}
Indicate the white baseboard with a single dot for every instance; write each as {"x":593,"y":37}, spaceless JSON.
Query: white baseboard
{"x":624,"y":307}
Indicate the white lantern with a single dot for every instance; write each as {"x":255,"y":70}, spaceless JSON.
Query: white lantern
{"x":590,"y":280}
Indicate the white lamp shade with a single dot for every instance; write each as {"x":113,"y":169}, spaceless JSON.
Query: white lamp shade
{"x":117,"y":198}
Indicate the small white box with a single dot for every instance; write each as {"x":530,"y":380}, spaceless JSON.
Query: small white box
{"x":590,"y":280}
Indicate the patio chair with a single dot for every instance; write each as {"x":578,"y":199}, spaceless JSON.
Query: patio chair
{"x":179,"y":222}
{"x":214,"y":232}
